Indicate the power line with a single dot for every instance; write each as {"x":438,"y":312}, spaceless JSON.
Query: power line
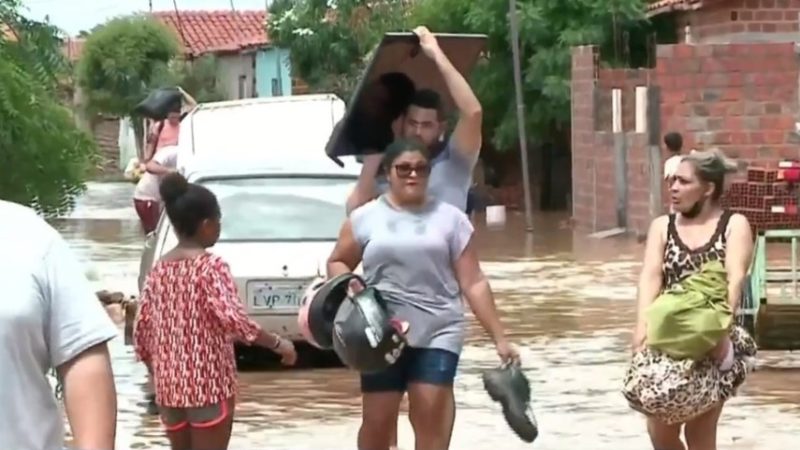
{"x":180,"y":23}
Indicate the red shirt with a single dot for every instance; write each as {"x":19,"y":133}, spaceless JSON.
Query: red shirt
{"x":189,"y":316}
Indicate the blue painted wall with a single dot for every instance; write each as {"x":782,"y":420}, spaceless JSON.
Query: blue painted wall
{"x":273,"y":64}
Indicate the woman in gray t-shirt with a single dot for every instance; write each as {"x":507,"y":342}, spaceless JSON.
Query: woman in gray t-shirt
{"x":418,"y":252}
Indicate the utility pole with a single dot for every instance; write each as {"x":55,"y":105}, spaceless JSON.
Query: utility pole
{"x":150,"y":3}
{"x":523,"y":141}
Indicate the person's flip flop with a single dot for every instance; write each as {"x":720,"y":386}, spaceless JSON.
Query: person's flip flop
{"x":509,"y":386}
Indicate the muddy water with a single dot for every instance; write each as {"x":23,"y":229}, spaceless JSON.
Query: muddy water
{"x":568,"y":303}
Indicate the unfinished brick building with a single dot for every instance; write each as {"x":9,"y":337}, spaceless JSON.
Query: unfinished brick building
{"x":733,"y":85}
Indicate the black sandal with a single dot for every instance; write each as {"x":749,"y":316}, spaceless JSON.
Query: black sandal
{"x":509,"y":386}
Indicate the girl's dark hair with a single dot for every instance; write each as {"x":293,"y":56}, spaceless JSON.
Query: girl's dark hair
{"x":187,"y":204}
{"x":399,"y":147}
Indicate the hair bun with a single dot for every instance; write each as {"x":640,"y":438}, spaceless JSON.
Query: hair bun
{"x":729,"y":165}
{"x":173,"y":186}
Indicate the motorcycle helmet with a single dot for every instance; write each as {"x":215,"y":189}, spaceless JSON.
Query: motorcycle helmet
{"x":319,"y":305}
{"x":365,"y":337}
{"x":302,"y":314}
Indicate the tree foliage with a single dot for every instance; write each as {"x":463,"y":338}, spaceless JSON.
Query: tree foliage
{"x":547,"y":32}
{"x":45,"y":157}
{"x":323,"y":49}
{"x":330,"y":39}
{"x":122,"y":61}
{"x":126,"y":58}
{"x":198,"y":77}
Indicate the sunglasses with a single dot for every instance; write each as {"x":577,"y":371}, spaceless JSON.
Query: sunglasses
{"x":405,"y":170}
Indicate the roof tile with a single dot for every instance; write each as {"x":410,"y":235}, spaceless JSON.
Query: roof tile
{"x":217,"y":31}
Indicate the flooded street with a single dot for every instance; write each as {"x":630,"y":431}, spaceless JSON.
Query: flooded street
{"x":568,"y":304}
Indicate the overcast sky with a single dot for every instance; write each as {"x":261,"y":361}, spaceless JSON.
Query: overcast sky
{"x":75,"y":15}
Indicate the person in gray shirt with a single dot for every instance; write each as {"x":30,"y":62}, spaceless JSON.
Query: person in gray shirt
{"x":50,"y":319}
{"x":453,"y":160}
{"x":419,"y":253}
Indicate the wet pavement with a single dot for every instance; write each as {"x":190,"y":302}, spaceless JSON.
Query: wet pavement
{"x":568,"y":304}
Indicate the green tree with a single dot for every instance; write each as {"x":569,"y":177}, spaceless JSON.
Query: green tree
{"x":548,"y":30}
{"x":122,"y":61}
{"x":198,"y":77}
{"x":329,"y":40}
{"x":45,"y":157}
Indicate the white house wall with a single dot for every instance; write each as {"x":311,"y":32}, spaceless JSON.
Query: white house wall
{"x":231,"y":69}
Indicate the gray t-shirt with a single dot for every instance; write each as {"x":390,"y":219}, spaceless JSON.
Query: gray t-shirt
{"x":48,"y":316}
{"x":451,"y":176}
{"x":408,"y":256}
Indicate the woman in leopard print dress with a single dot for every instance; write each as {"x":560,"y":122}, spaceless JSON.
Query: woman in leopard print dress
{"x":674,"y":393}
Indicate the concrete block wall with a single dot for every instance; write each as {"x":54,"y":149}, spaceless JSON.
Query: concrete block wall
{"x":106,"y":134}
{"x":727,"y":21}
{"x":741,"y":98}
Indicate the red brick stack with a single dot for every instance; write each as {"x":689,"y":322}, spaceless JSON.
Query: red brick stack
{"x":756,"y":197}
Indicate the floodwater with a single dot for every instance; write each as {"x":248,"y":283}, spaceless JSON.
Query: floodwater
{"x":567,"y":302}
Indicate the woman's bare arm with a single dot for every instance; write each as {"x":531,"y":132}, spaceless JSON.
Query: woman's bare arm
{"x":739,"y":253}
{"x":156,"y":168}
{"x":366,"y":186}
{"x":476,"y":289}
{"x":189,"y":101}
{"x":651,"y":278}
{"x":346,"y":255}
{"x":150,"y":142}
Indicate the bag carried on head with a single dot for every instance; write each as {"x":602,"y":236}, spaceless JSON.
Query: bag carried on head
{"x":159,"y":103}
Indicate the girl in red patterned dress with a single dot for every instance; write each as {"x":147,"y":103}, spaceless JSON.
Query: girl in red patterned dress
{"x":189,"y":317}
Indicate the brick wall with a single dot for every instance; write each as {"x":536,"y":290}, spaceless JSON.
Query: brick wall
{"x":741,"y":98}
{"x":737,"y":20}
{"x":299,"y":87}
{"x":106,"y":135}
{"x":594,"y":195}
{"x":585,"y":193}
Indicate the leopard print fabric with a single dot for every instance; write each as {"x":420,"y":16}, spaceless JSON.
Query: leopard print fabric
{"x":675,"y":391}
{"x":680,"y":261}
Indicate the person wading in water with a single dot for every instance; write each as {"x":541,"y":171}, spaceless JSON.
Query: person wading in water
{"x":679,"y":245}
{"x":419,"y":253}
{"x":189,"y":317}
{"x":453,"y":161}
